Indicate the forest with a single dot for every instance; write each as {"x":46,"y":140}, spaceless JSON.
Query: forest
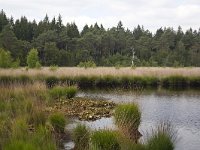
{"x":64,"y":45}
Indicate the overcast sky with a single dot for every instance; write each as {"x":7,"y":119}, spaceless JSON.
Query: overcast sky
{"x":153,"y":14}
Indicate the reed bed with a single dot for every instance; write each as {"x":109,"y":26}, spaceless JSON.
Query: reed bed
{"x":104,"y":71}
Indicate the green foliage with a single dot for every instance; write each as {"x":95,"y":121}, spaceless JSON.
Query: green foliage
{"x":58,"y":122}
{"x":37,"y":118}
{"x":5,"y":59}
{"x":59,"y":92}
{"x":127,"y":117}
{"x":53,"y":68}
{"x":32,"y":58}
{"x":81,"y":137}
{"x":38,"y":65}
{"x":105,"y":140}
{"x":16,"y":64}
{"x":52,"y":54}
{"x":161,"y":138}
{"x":87,"y":64}
{"x":71,"y":92}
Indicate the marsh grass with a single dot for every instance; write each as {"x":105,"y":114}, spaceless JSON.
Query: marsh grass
{"x":163,"y":137}
{"x":128,"y":117}
{"x":58,"y":122}
{"x":104,"y":140}
{"x":108,"y":79}
{"x":59,"y":92}
{"x":175,"y":82}
{"x":21,"y":116}
{"x":81,"y":137}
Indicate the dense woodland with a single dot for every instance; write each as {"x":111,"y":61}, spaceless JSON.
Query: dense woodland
{"x":64,"y":45}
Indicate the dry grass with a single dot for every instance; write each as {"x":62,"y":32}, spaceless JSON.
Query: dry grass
{"x":102,"y":71}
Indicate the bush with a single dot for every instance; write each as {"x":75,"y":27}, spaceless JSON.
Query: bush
{"x":81,"y":137}
{"x":58,"y":122}
{"x":53,"y":68}
{"x":16,"y":64}
{"x":87,"y":64}
{"x":127,"y":118}
{"x":105,"y":140}
{"x":5,"y":59}
{"x":38,"y":65}
{"x":32,"y":58}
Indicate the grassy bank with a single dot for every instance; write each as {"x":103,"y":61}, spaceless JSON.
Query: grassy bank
{"x":107,"y":81}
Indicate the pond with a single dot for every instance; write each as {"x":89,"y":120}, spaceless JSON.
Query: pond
{"x":181,"y":108}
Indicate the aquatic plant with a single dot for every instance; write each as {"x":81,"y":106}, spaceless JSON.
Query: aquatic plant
{"x":81,"y":136}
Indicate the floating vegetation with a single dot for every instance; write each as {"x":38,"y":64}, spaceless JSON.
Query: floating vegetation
{"x":84,"y":108}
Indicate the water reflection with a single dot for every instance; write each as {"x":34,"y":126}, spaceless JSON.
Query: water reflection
{"x":182,"y":108}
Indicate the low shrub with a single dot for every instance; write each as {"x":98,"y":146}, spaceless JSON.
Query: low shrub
{"x":53,"y":68}
{"x":58,"y":122}
{"x":38,"y":65}
{"x":81,"y":136}
{"x":105,"y":140}
{"x":87,"y":64}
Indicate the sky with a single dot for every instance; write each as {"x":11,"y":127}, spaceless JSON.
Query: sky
{"x":152,"y":14}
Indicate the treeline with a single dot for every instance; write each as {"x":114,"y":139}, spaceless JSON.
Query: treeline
{"x":64,"y":45}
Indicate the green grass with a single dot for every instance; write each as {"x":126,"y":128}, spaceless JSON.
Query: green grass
{"x":162,"y":138}
{"x":104,"y":140}
{"x":127,"y":114}
{"x":128,"y":117}
{"x":58,"y":122}
{"x":106,"y":81}
{"x":81,"y":137}
{"x":59,"y":92}
{"x":23,"y":120}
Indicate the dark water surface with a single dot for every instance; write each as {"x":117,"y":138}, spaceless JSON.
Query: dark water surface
{"x":181,"y":108}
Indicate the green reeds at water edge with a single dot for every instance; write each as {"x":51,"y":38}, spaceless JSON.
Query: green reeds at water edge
{"x":81,"y":137}
{"x":127,"y":117}
{"x":108,"y":81}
